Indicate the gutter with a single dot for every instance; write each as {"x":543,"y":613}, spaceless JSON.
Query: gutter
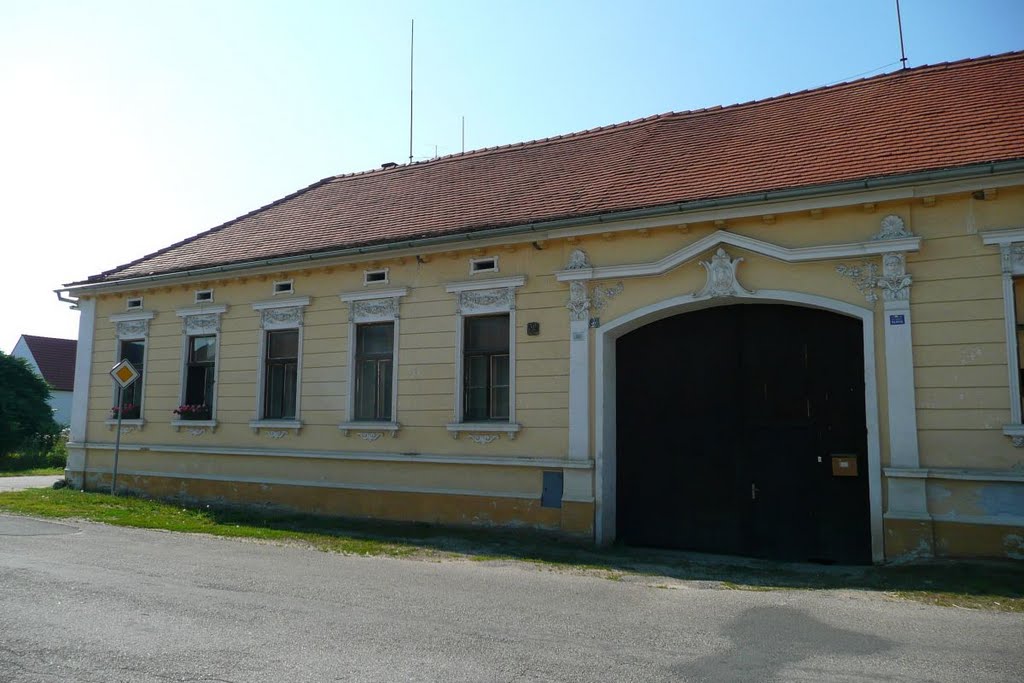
{"x":974,"y":171}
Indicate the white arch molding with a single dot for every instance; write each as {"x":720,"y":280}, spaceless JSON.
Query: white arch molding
{"x":604,"y":405}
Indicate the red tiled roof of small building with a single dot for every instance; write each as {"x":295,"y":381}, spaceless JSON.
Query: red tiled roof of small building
{"x":928,"y":118}
{"x":55,"y":358}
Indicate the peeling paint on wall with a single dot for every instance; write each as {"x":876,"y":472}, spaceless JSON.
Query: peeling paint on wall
{"x":1013,"y":546}
{"x":1001,"y":499}
{"x":937,"y":492}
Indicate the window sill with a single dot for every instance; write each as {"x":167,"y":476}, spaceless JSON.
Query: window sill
{"x":135,"y":425}
{"x":365,"y":429}
{"x":275,"y":429}
{"x":492,"y":429}
{"x":1016,"y":433}
{"x":194,"y":426}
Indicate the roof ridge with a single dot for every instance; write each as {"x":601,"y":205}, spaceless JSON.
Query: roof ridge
{"x":702,"y":111}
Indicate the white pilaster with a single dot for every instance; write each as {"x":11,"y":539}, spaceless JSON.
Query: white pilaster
{"x":75,"y":469}
{"x":579,"y":362}
{"x":907,"y":498}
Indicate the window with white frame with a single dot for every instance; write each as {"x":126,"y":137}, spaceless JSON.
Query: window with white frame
{"x":278,"y":403}
{"x":200,"y":364}
{"x":200,"y":347}
{"x":134,"y":351}
{"x":132,"y":331}
{"x":374,"y":371}
{"x":485,"y":355}
{"x":485,"y":363}
{"x":281,"y":375}
{"x":373,"y":360}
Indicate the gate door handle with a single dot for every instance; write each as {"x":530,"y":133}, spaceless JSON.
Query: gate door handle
{"x":753,"y":491}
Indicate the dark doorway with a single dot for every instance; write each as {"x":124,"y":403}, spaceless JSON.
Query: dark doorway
{"x":741,"y":431}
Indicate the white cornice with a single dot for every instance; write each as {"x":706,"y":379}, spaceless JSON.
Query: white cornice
{"x":365,"y":295}
{"x":136,"y":315}
{"x":1004,"y":236}
{"x":202,"y":310}
{"x":492,"y":283}
{"x":786,"y":254}
{"x":281,"y":303}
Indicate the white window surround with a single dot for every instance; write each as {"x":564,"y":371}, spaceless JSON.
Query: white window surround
{"x":372,"y":307}
{"x":281,"y":314}
{"x":283,"y":287}
{"x":475,"y":262}
{"x":368,"y":282}
{"x":1011,"y":248}
{"x":485,"y":297}
{"x":203,"y":296}
{"x":133,"y":303}
{"x":132,"y":326}
{"x":197,"y":321}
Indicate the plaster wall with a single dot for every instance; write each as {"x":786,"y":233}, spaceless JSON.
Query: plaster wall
{"x":959,"y":354}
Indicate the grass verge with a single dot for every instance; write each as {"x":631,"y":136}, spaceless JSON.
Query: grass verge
{"x":34,"y":472}
{"x":974,"y":585}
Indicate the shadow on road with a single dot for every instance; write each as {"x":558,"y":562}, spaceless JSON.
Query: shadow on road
{"x":767,"y":640}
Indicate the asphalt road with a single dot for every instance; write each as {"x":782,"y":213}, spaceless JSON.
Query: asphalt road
{"x":21,"y":483}
{"x":87,"y":602}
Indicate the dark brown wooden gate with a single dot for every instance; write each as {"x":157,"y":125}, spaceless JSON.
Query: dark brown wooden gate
{"x":738,"y":428}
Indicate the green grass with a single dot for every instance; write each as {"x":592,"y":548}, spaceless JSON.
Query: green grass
{"x":33,"y":472}
{"x":974,"y":585}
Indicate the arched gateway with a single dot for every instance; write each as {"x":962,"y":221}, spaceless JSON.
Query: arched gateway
{"x":741,"y":430}
{"x":712,"y":413}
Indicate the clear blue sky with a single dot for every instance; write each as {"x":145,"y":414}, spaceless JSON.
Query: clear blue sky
{"x":126,"y":126}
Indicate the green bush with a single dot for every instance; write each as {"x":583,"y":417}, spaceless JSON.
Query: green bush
{"x":46,"y":450}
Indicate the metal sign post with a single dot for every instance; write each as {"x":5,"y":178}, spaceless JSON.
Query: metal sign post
{"x":125,"y":374}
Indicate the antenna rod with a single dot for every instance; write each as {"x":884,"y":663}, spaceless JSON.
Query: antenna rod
{"x":412,"y":37}
{"x":463,"y":134}
{"x":899,"y":22}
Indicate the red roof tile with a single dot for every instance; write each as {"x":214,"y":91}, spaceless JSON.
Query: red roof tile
{"x":55,"y":358}
{"x":927,"y":118}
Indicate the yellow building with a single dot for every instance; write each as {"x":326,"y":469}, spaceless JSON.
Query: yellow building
{"x":786,"y":329}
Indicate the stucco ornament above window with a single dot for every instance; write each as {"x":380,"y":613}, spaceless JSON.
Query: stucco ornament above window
{"x":721,"y":270}
{"x":895,"y":281}
{"x":204,"y":323}
{"x":582,"y":300}
{"x":473,"y":301}
{"x":893,"y":228}
{"x":278,"y":318}
{"x":128,"y":329}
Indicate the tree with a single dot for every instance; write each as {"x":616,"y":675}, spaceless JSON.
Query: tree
{"x":25,"y":416}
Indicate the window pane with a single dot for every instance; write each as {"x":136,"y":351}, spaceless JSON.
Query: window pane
{"x":203,"y":349}
{"x":476,"y":371}
{"x":290,"y":378}
{"x":134,"y":352}
{"x":384,"y":390}
{"x":476,"y":404}
{"x":499,"y":371}
{"x":196,"y":389}
{"x":499,"y":403}
{"x":283,"y":344}
{"x":375,"y":339}
{"x":280,"y":397}
{"x":486,"y":333}
{"x":366,"y":390}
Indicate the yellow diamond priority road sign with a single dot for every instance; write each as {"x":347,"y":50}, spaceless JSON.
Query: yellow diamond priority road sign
{"x":124,"y":373}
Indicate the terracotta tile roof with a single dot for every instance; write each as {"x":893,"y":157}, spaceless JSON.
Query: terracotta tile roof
{"x":55,"y":358}
{"x":927,"y":118}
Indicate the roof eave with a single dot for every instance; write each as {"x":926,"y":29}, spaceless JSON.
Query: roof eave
{"x":974,"y":171}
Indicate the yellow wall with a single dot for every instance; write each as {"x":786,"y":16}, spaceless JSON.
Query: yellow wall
{"x":956,"y":306}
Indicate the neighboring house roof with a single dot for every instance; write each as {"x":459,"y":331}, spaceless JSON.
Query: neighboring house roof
{"x":55,"y":358}
{"x":929,"y":118}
